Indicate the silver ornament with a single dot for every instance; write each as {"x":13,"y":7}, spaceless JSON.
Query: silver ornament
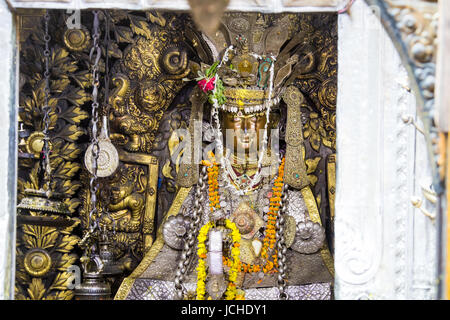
{"x":309,"y":237}
{"x":108,"y":157}
{"x":174,"y":231}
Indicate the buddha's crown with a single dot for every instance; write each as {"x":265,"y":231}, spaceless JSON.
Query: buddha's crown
{"x":259,"y":49}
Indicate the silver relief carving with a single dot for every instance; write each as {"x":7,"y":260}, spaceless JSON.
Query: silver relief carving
{"x":175,"y":230}
{"x":309,"y":237}
{"x":383,"y":249}
{"x":146,"y":289}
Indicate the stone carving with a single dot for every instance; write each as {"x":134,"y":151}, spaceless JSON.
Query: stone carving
{"x":414,"y":32}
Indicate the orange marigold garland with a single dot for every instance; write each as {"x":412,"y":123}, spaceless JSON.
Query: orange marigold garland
{"x":270,"y":237}
{"x":213,"y":173}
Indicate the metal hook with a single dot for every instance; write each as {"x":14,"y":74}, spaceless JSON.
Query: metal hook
{"x":417,"y":202}
{"x":430,"y":195}
{"x":409,"y":119}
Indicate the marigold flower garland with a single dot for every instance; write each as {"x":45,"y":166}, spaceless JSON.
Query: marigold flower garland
{"x":201,"y":252}
{"x":230,"y":293}
{"x":213,"y":173}
{"x":270,"y":237}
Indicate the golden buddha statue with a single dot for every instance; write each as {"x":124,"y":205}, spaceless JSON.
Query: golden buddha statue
{"x":244,"y":223}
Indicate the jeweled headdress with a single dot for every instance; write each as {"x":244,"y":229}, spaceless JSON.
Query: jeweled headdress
{"x":261,"y":60}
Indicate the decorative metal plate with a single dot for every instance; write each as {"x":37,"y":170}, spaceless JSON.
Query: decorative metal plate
{"x":108,"y":159}
{"x":174,"y":231}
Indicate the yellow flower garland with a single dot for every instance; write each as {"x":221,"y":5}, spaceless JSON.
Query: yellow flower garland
{"x":230,"y":293}
{"x":201,"y":252}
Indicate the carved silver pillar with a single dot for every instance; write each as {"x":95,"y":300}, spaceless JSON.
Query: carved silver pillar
{"x":385,"y":247}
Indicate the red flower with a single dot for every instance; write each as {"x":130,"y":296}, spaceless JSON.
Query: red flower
{"x":207,"y":84}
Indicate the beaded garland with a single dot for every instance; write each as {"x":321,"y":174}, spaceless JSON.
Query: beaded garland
{"x":217,"y":100}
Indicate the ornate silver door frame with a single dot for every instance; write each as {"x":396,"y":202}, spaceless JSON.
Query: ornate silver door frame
{"x":387,"y":221}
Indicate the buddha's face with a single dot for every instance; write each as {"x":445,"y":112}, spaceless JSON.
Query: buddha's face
{"x":245,"y":133}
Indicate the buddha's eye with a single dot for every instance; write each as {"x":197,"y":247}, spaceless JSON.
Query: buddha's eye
{"x":253,"y":119}
{"x":237,"y":119}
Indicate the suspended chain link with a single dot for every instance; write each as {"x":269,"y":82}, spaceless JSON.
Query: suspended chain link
{"x":94,"y":57}
{"x":107,"y":41}
{"x":46,"y":107}
{"x":106,"y":108}
{"x":188,"y":249}
{"x":281,"y":246}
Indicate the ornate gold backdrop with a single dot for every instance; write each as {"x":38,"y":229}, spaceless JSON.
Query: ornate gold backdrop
{"x":149,"y":55}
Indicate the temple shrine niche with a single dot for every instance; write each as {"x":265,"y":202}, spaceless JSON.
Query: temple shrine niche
{"x":225,"y":150}
{"x":154,"y":71}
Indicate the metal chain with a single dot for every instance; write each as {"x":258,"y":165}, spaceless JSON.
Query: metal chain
{"x":46,"y":108}
{"x":281,"y":246}
{"x":107,"y":41}
{"x":94,"y":57}
{"x":188,"y":249}
{"x":105,"y":109}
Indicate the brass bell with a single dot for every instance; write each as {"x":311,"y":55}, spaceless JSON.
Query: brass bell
{"x":93,"y":287}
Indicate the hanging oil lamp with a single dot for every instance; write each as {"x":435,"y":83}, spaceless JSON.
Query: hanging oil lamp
{"x":41,"y":206}
{"x":98,"y":261}
{"x":43,"y":201}
{"x":111,"y":267}
{"x":107,"y":164}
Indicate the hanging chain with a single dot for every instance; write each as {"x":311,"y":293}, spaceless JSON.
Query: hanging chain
{"x":281,"y":246}
{"x":105,"y":109}
{"x":46,"y":107}
{"x":94,"y":57}
{"x":107,"y":41}
{"x":186,"y":254}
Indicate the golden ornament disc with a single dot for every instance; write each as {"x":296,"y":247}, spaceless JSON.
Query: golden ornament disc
{"x":35,"y":143}
{"x":37,"y":262}
{"x":76,"y":39}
